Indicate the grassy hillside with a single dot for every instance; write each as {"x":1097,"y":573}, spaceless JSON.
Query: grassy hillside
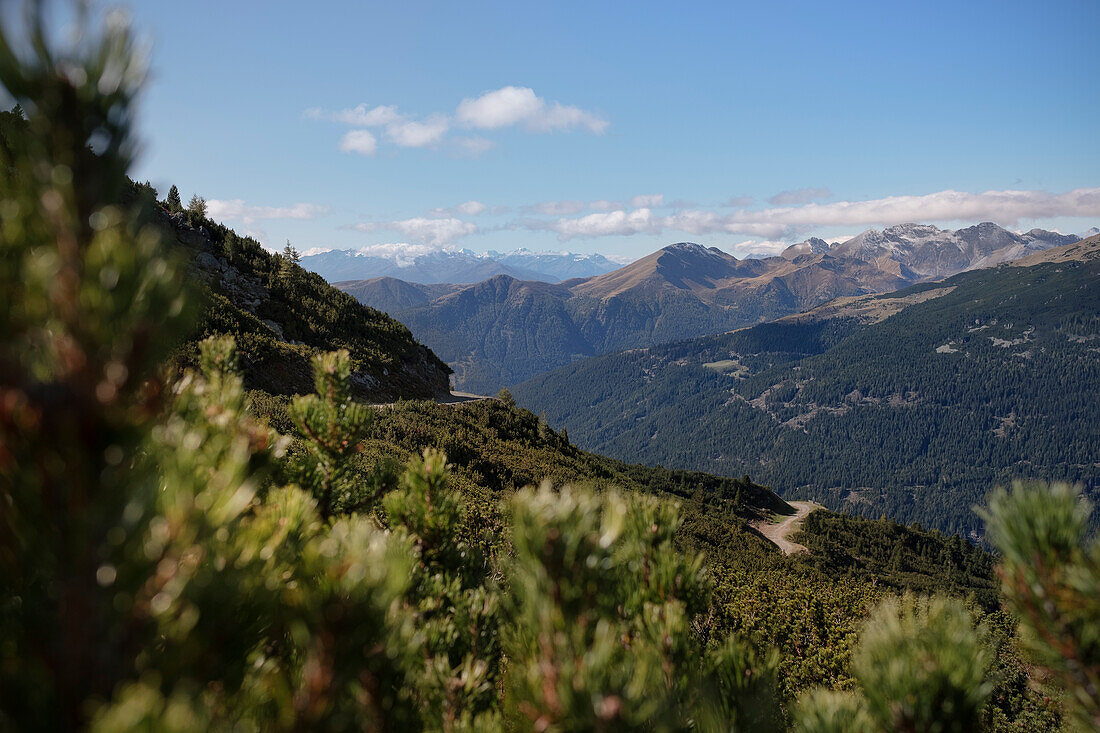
{"x":914,"y":412}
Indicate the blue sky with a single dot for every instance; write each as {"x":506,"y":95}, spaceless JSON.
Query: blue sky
{"x":652,"y":122}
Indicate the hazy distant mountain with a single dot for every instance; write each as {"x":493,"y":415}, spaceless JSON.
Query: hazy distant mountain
{"x":556,"y":266}
{"x":910,"y":404}
{"x":505,"y":330}
{"x":456,"y":266}
{"x":389,"y":295}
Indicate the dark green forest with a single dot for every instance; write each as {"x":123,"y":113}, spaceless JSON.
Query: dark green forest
{"x":503,"y":331}
{"x":915,"y":417}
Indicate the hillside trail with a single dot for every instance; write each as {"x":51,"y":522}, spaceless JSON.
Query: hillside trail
{"x":454,"y":398}
{"x":777,"y":532}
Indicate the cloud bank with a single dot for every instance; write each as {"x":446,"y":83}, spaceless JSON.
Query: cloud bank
{"x":760,"y":231}
{"x":424,"y":230}
{"x":238,"y":210}
{"x":506,"y":107}
{"x":511,"y":106}
{"x":1007,"y":208}
{"x":799,"y":196}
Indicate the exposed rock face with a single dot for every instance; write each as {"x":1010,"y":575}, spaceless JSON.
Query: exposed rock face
{"x":929,"y":253}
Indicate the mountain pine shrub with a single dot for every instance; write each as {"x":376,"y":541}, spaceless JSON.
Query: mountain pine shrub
{"x":169,"y":562}
{"x":1050,"y":575}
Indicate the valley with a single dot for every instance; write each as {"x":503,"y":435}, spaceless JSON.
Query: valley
{"x":910,"y":404}
{"x":505,"y":330}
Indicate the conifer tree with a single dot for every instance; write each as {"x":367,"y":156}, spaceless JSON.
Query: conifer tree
{"x":1050,"y":574}
{"x":175,"y":204}
{"x":921,"y":666}
{"x":95,"y":303}
{"x":289,"y":260}
{"x":333,"y":426}
{"x":197,"y":206}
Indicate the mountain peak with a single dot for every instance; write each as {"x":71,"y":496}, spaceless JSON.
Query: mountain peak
{"x":911,"y":230}
{"x":812,"y":246}
{"x":695,"y":250}
{"x":684,"y":247}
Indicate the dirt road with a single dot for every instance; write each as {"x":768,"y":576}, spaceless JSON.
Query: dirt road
{"x":457,"y":398}
{"x":454,"y":398}
{"x":777,"y":532}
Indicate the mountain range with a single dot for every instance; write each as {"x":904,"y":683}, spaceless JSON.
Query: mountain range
{"x":505,"y":329}
{"x":911,"y":404}
{"x":454,"y":265}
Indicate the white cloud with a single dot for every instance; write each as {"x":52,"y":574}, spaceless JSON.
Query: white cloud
{"x":755,"y":248}
{"x":435,"y":232}
{"x":358,"y":116}
{"x":493,"y":110}
{"x":738,"y":202}
{"x":237,"y":209}
{"x":413,"y":134}
{"x":401,"y":253}
{"x":650,"y":201}
{"x":249,"y":216}
{"x":512,"y":105}
{"x":467,"y":208}
{"x":501,"y":108}
{"x":1003,"y":207}
{"x":556,"y":208}
{"x":609,"y":223}
{"x":604,"y":205}
{"x":359,"y":141}
{"x":571,"y":207}
{"x":471,"y":208}
{"x":473,"y":146}
{"x":400,"y":129}
{"x":560,"y":117}
{"x":799,"y":196}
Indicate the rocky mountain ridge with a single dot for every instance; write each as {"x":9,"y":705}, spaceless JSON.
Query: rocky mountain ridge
{"x":506,"y":329}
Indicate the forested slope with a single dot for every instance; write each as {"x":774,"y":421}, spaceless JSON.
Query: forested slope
{"x":810,"y":606}
{"x":281,"y":315}
{"x":912,"y":404}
